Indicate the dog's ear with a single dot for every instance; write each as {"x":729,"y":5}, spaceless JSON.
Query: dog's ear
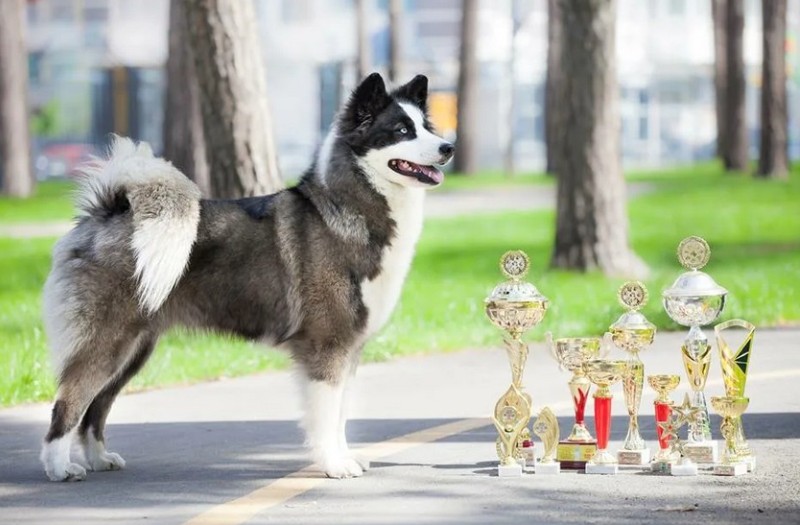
{"x":415,"y":91}
{"x":366,"y":102}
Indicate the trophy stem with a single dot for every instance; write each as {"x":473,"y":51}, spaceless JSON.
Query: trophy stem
{"x":663,"y":412}
{"x":602,"y":421}
{"x":728,"y":429}
{"x":517,"y":352}
{"x":633,"y":384}
{"x":579,"y":386}
{"x":697,"y":359}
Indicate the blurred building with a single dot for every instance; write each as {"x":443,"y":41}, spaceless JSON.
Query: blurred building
{"x":97,"y":66}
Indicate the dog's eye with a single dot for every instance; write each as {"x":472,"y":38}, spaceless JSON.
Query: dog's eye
{"x":402,"y":131}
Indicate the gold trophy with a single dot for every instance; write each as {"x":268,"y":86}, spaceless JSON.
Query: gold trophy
{"x":695,"y":300}
{"x":515,"y":306}
{"x":730,"y":408}
{"x":734,"y":374}
{"x":685,"y":413}
{"x":632,"y":332}
{"x":571,"y":353}
{"x":603,"y":373}
{"x":546,"y":427}
{"x":663,"y":384}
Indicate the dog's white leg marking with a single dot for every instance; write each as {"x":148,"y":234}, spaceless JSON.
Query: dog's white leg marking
{"x":322,"y":423}
{"x":343,"y":416}
{"x":97,"y":457}
{"x":56,"y":460}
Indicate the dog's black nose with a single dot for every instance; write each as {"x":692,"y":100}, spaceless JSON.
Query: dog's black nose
{"x":447,"y":149}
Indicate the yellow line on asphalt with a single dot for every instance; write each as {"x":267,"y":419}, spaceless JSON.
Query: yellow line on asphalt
{"x":240,"y":510}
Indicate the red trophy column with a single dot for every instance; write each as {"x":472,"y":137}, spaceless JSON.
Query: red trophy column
{"x":602,"y":421}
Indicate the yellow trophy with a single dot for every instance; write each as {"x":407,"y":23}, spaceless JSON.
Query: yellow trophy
{"x":546,"y":427}
{"x":734,"y":374}
{"x":515,"y":306}
{"x":730,"y":408}
{"x":663,"y":384}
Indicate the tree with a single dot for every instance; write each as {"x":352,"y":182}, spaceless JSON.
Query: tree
{"x":395,"y":40}
{"x":735,"y":142}
{"x":466,"y":157}
{"x":552,"y":84}
{"x":773,"y":161}
{"x":362,"y":32}
{"x":236,"y":120}
{"x":184,"y":142}
{"x":16,"y":178}
{"x":719,"y":18}
{"x":591,"y":219}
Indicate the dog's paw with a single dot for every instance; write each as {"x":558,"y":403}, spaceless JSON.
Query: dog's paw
{"x":70,"y":472}
{"x":106,"y":461}
{"x":341,"y":468}
{"x":362,"y":461}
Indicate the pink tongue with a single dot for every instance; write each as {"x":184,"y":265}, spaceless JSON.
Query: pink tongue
{"x":433,"y":173}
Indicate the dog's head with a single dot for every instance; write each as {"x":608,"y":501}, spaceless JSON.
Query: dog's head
{"x":391,"y":135}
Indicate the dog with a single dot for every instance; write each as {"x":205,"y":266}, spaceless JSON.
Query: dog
{"x":315,"y":269}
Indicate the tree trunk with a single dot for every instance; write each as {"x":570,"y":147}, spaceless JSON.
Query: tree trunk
{"x":16,"y":178}
{"x":466,"y":157}
{"x":184,"y":142}
{"x":237,"y":126}
{"x":591,"y":219}
{"x":736,"y":154}
{"x":773,"y":160}
{"x":362,"y":32}
{"x":396,"y":41}
{"x":553,"y":83}
{"x":719,"y":19}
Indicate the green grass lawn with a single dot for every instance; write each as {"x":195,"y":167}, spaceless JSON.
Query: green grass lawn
{"x":753,"y":227}
{"x":51,"y":202}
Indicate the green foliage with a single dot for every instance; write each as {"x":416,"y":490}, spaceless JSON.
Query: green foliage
{"x":44,"y":123}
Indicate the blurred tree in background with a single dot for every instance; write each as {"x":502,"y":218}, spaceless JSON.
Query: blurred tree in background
{"x":16,"y":177}
{"x":553,"y":82}
{"x":184,"y":141}
{"x":591,"y":215}
{"x":466,"y":157}
{"x":719,"y":15}
{"x":773,"y":161}
{"x":363,"y":44}
{"x":736,"y":154}
{"x":242,"y":158}
{"x":396,"y":41}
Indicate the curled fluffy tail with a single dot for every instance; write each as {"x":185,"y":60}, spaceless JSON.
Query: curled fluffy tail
{"x":164,"y":205}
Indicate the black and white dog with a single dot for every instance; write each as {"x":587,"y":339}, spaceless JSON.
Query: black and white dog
{"x":316,"y":269}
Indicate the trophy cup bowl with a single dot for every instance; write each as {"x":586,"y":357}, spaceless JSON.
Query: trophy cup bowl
{"x":663,"y":384}
{"x":730,"y":408}
{"x":603,"y":373}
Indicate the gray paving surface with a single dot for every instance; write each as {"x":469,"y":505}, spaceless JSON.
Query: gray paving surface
{"x":189,"y":449}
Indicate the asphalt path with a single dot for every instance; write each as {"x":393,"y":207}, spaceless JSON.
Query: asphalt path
{"x":231,"y":452}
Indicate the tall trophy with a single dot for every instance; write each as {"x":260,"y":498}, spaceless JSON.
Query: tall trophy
{"x":632,"y":332}
{"x":572,"y":353}
{"x":515,"y":306}
{"x":730,"y":408}
{"x":695,"y":300}
{"x":663,"y":384}
{"x":546,"y":427}
{"x":603,"y":373}
{"x":734,"y":374}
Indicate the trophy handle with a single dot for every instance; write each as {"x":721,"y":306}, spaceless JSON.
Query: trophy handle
{"x":606,"y":344}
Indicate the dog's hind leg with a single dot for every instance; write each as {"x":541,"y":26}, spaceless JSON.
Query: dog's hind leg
{"x":92,"y":427}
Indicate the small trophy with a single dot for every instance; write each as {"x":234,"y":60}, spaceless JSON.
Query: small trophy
{"x":685,"y":413}
{"x":546,"y":427}
{"x":633,"y":332}
{"x":515,"y":306}
{"x":695,"y":300}
{"x":730,"y":408}
{"x":663,"y":384}
{"x":734,"y":374}
{"x":603,"y":373}
{"x":571,"y":353}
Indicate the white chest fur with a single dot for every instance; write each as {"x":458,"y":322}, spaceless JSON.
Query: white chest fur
{"x":380,"y":294}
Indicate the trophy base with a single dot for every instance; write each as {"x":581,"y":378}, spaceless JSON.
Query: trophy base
{"x":602,"y":468}
{"x":509,"y":471}
{"x":573,"y":455}
{"x":551,"y":468}
{"x":529,"y":455}
{"x":683,"y":470}
{"x":702,"y":452}
{"x":633,"y":457}
{"x":660,"y":467}
{"x":734,"y":469}
{"x":750,"y":461}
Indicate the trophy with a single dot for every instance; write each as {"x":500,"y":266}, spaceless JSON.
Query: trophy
{"x":515,"y":306}
{"x":694,"y":300}
{"x":681,"y":415}
{"x":734,"y":374}
{"x":633,"y":332}
{"x":603,"y":373}
{"x":571,"y":353}
{"x":663,"y":384}
{"x":730,"y":408}
{"x":546,"y":427}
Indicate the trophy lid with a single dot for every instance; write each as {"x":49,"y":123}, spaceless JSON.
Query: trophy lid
{"x":632,"y":295}
{"x":693,"y":254}
{"x":515,"y":265}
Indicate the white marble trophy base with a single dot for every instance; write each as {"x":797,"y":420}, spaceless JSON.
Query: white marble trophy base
{"x":553,"y":467}
{"x":602,"y":468}
{"x":750,"y":461}
{"x":509,"y":471}
{"x":704,"y":453}
{"x":688,"y":469}
{"x":734,"y":469}
{"x":633,"y":457}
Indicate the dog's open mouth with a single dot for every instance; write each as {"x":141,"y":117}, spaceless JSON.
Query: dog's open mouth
{"x":424,"y":174}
